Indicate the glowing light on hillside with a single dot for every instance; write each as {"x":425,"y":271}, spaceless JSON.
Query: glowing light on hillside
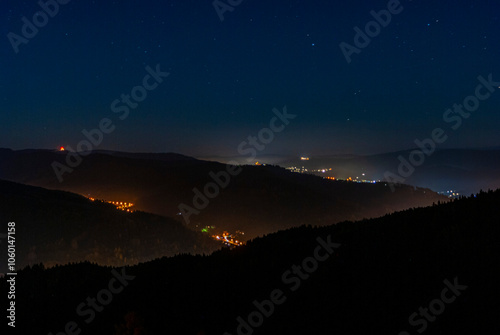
{"x":124,"y":206}
{"x":61,"y":149}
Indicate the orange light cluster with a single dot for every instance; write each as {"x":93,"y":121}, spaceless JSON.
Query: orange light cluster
{"x":226,"y":238}
{"x":124,"y":206}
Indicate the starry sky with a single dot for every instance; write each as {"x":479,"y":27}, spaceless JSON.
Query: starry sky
{"x":225,"y":77}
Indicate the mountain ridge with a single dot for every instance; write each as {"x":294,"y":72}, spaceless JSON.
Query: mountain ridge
{"x":259,"y":200}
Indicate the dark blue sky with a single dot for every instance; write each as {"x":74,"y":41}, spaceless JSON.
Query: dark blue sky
{"x":227,"y":76}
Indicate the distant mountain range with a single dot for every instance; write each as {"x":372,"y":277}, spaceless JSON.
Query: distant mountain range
{"x":257,"y":201}
{"x":463,"y":170}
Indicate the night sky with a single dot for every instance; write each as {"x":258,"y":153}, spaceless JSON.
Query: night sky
{"x":225,"y":77}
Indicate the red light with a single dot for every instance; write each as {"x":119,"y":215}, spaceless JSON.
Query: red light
{"x":61,"y":148}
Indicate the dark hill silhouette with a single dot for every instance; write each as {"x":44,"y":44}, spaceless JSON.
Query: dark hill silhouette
{"x":260,"y":200}
{"x":55,"y":227}
{"x":385,"y":270}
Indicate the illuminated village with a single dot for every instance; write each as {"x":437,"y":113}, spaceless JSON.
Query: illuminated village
{"x":124,"y":206}
{"x":226,"y":238}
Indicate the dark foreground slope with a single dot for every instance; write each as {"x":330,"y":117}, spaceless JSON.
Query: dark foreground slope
{"x":56,"y":227}
{"x":259,"y":200}
{"x":384,"y":272}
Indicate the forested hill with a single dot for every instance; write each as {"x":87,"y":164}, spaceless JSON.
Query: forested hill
{"x":383,"y":276}
{"x":55,"y":227}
